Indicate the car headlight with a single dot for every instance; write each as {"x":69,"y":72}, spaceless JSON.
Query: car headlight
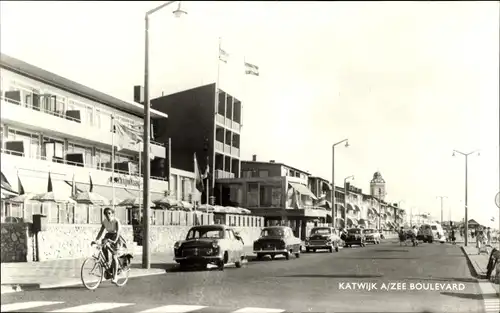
{"x":215,"y":244}
{"x":177,"y":245}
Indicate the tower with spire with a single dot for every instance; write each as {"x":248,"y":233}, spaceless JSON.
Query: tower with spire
{"x":377,"y":186}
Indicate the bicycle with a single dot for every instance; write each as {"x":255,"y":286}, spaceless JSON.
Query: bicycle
{"x":103,"y":270}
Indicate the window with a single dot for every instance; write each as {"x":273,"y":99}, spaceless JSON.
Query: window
{"x":247,"y":174}
{"x":263,"y":173}
{"x":23,"y":143}
{"x":253,"y":195}
{"x":103,"y":159}
{"x":89,"y":114}
{"x":97,"y":118}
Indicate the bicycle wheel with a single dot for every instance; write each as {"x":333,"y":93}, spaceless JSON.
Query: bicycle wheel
{"x":122,"y":276}
{"x":93,"y":267}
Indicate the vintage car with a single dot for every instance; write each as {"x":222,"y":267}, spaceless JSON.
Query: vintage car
{"x":372,"y":235}
{"x":277,"y":240}
{"x":355,"y":236}
{"x":210,"y":244}
{"x":323,"y":238}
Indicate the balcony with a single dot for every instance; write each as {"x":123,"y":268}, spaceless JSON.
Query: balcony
{"x":223,"y":174}
{"x":235,"y":152}
{"x":236,"y":126}
{"x":65,"y":127}
{"x":227,"y":149}
{"x":220,"y":119}
{"x":219,"y":146}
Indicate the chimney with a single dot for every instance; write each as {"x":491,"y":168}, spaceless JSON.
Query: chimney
{"x":272,"y":161}
{"x":139,"y":94}
{"x":254,"y":157}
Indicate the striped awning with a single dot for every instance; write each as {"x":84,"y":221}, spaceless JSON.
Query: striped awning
{"x":303,"y":190}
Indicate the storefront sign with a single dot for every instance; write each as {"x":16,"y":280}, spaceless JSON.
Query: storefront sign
{"x":126,"y":181}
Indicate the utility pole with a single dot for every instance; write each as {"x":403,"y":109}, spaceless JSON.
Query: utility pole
{"x":441,"y":197}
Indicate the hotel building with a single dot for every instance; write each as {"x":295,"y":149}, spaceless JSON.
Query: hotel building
{"x":50,"y":124}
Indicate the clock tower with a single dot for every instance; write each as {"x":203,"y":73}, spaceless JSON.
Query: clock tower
{"x":377,"y":186}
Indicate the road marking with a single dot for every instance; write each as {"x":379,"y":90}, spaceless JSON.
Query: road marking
{"x":94,"y":307}
{"x":175,"y":309}
{"x":258,"y":310}
{"x":25,"y":305}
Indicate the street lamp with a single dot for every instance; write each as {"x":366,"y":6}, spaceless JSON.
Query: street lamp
{"x":334,"y":216}
{"x":346,"y":192}
{"x":442,"y":197}
{"x":147,"y":127}
{"x":466,"y":209}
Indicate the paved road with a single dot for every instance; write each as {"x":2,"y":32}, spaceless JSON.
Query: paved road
{"x":308,"y":284}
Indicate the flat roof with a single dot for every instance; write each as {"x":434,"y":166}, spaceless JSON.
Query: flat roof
{"x":276,"y":163}
{"x":29,"y":70}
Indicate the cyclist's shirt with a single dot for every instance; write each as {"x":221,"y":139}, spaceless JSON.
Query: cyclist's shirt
{"x":111,"y":226}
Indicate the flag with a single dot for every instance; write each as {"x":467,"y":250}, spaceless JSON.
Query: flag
{"x":130,"y":134}
{"x":251,"y":69}
{"x":49,"y":186}
{"x":199,"y":180}
{"x":20,"y":187}
{"x":91,"y":184}
{"x":223,"y":55}
{"x":492,"y":218}
{"x":73,"y":187}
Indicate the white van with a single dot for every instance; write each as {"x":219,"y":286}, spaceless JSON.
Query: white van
{"x":430,"y":232}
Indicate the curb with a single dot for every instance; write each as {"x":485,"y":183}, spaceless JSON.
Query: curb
{"x":478,"y":273}
{"x":10,"y":288}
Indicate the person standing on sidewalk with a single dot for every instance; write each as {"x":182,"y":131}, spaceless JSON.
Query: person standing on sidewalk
{"x":488,"y":237}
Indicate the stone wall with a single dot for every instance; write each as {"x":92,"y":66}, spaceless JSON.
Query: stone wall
{"x":16,"y":242}
{"x":62,"y":241}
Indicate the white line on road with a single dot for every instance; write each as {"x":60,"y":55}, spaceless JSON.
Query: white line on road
{"x":175,"y":309}
{"x":258,"y":310}
{"x":25,"y":305}
{"x":94,"y":307}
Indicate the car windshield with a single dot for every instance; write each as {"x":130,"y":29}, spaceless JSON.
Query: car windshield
{"x":354,"y":231}
{"x":210,"y":233}
{"x":272,"y":232}
{"x":321,"y":231}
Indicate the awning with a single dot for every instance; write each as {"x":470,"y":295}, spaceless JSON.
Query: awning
{"x":303,"y":190}
{"x":375,"y":210}
{"x":327,"y":186}
{"x":6,"y":185}
{"x":325,"y":204}
{"x":353,"y":220}
{"x":356,"y":208}
{"x":349,"y":207}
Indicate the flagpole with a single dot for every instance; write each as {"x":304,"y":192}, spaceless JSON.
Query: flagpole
{"x":113,"y":160}
{"x":216,"y":102}
{"x":140,"y":185}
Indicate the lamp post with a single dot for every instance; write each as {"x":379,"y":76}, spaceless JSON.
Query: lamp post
{"x":346,"y":193}
{"x":147,"y":127}
{"x":334,"y":216}
{"x":442,"y":197}
{"x":466,"y":208}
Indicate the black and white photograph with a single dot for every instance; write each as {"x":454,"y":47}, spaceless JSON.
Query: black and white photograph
{"x":250,"y":156}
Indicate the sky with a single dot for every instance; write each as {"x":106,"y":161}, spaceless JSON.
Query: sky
{"x":405,"y":82}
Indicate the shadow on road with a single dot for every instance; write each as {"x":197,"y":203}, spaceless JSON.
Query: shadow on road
{"x":448,"y":279}
{"x":333,"y":276}
{"x":466,"y":295}
{"x":165,"y":266}
{"x":375,"y":258}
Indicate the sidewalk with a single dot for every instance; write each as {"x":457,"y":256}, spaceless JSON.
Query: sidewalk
{"x":62,"y":273}
{"x":480,"y":263}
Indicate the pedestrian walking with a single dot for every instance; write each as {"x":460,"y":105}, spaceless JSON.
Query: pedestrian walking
{"x":488,"y":236}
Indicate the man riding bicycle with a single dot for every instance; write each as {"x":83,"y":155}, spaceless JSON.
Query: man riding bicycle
{"x":113,"y":227}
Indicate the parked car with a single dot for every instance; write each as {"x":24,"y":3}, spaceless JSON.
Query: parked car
{"x":431,"y":232}
{"x":210,"y":244}
{"x":355,"y":236}
{"x":372,"y":235}
{"x":277,"y":240}
{"x":323,"y":238}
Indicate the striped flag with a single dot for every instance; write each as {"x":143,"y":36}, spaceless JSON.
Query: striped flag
{"x":251,"y":69}
{"x":199,"y":179}
{"x":223,"y":55}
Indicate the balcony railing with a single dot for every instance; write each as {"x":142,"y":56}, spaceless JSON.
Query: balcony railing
{"x":220,"y":119}
{"x":235,"y":152}
{"x":236,"y":126}
{"x":85,"y":165}
{"x":219,"y":146}
{"x":227,"y":149}
{"x":223,"y":174}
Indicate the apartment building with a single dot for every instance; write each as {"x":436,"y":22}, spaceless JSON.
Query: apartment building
{"x":202,"y":120}
{"x":50,"y":124}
